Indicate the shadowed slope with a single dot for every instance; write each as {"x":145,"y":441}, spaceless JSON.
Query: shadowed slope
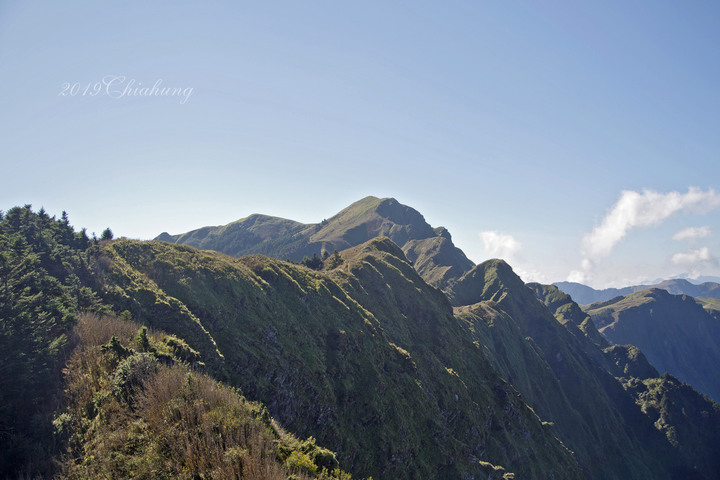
{"x":553,"y":368}
{"x":674,"y":331}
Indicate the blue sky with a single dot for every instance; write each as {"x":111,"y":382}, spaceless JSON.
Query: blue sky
{"x":573,"y":139}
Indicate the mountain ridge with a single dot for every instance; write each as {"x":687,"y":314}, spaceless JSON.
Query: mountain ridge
{"x":430,"y":249}
{"x":364,"y":355}
{"x":585,"y":295}
{"x":675,"y":332}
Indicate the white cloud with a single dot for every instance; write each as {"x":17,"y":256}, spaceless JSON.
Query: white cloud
{"x":636,"y":209}
{"x":692,"y":232}
{"x":577,"y":276}
{"x":695,"y":261}
{"x":529,"y":276}
{"x":499,"y":245}
{"x":693,"y":257}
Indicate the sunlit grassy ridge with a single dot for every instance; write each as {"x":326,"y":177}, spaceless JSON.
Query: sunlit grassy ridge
{"x":431,"y":250}
{"x":357,"y":356}
{"x":50,"y":275}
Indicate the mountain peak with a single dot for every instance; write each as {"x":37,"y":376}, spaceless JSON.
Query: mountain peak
{"x":430,"y":251}
{"x":485,"y":281}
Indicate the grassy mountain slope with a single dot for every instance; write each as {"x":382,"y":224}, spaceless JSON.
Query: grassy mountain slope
{"x":363,"y":355}
{"x":669,"y":406}
{"x":687,"y":419}
{"x":550,"y":366}
{"x":431,"y":250}
{"x":585,"y":295}
{"x":393,"y":383}
{"x":569,"y":313}
{"x":675,"y":332}
{"x":135,"y":409}
{"x":366,"y":357}
{"x":50,"y":275}
{"x":663,"y":402}
{"x":630,"y":362}
{"x":257,"y":233}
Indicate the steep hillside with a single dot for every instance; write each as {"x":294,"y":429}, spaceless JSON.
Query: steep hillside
{"x":585,"y":295}
{"x":662,"y":401}
{"x":366,"y":357}
{"x":550,"y":366}
{"x":687,"y":419}
{"x":68,"y":406}
{"x":675,"y":332}
{"x":630,"y":362}
{"x":568,"y":313}
{"x":135,"y":409}
{"x":431,"y":250}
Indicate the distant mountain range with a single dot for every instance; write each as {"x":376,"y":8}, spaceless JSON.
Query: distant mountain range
{"x":677,"y":333}
{"x":584,"y":295}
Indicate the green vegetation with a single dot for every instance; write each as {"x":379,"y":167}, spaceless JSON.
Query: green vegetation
{"x":314,"y":262}
{"x":131,"y":414}
{"x":45,"y":270}
{"x":48,"y":275}
{"x":677,"y":412}
{"x":107,"y":234}
{"x":675,"y":332}
{"x":686,"y":419}
{"x":569,"y":313}
{"x":360,"y":355}
{"x":344,"y":355}
{"x":564,"y":375}
{"x":630,"y":362}
{"x":430,"y":250}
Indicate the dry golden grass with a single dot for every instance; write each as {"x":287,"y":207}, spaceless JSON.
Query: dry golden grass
{"x":177,"y":424}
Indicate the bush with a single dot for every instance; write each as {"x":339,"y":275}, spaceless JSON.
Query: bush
{"x":131,"y":373}
{"x":301,"y":462}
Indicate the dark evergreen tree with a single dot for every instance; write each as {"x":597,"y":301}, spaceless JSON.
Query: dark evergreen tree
{"x":335,"y":260}
{"x":315,"y":262}
{"x":42,"y":264}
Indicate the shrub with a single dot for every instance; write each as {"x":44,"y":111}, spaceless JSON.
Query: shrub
{"x":301,"y":462}
{"x":131,"y":373}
